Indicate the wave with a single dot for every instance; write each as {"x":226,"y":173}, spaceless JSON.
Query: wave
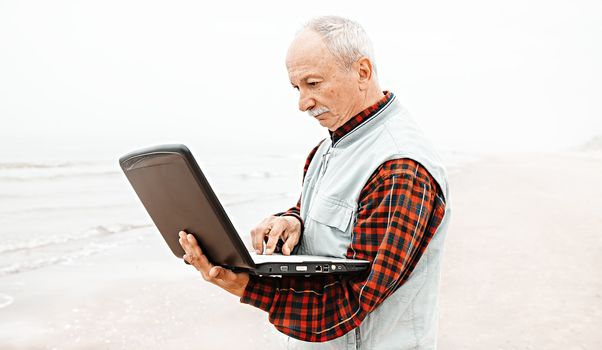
{"x":32,"y":171}
{"x":33,"y":210}
{"x":49,"y":164}
{"x":90,"y":249}
{"x":23,"y":165}
{"x":5,"y":300}
{"x":57,"y":176}
{"x":91,"y":232}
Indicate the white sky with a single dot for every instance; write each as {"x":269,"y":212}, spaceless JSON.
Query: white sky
{"x":108,"y":76}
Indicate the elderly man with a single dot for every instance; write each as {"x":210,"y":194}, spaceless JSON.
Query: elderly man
{"x":374,"y":190}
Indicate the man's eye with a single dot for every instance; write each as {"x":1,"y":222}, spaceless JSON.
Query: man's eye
{"x":313,"y":83}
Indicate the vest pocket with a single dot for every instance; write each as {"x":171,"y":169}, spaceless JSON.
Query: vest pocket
{"x":331,"y":212}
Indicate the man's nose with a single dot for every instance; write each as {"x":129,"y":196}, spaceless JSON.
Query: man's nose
{"x":305,"y":102}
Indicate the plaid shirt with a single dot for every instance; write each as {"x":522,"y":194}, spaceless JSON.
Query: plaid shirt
{"x":389,"y":232}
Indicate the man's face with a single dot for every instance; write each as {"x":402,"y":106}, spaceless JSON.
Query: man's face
{"x":327,"y":92}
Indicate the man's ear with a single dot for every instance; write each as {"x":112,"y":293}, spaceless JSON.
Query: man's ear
{"x":364,"y":70}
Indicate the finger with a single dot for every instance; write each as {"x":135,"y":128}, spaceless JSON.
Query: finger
{"x":194,"y":244}
{"x":273,"y":238}
{"x":279,"y":225}
{"x":221,"y":274}
{"x":185,"y":257}
{"x":182,"y":235}
{"x":201,"y":264}
{"x":278,"y":231}
{"x":188,"y":249}
{"x":290,"y":243}
{"x":257,"y":236}
{"x":195,"y":255}
{"x":183,"y":241}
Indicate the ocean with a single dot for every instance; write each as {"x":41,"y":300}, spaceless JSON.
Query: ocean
{"x":59,"y":212}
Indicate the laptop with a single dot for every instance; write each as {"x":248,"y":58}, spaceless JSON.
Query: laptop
{"x":178,"y":197}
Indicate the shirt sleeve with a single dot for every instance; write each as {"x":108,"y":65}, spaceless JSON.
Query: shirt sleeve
{"x":400,"y":209}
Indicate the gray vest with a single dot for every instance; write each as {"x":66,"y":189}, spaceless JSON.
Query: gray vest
{"x":407,"y":319}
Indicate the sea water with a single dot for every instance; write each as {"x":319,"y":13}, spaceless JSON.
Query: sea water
{"x":57,"y":212}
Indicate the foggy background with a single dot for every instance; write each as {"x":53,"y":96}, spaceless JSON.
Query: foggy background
{"x":82,"y":80}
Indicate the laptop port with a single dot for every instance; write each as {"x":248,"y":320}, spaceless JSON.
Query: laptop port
{"x":284,"y":268}
{"x":326,"y":268}
{"x":301,"y":268}
{"x":318,"y":268}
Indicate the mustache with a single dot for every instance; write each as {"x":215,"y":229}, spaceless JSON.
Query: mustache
{"x":317,"y":111}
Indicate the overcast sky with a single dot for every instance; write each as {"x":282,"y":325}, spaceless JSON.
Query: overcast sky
{"x":103,"y":77}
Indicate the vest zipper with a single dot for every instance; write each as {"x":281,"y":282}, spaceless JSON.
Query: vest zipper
{"x":325,"y":159}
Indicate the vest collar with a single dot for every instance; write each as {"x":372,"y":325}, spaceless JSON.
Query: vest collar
{"x":384,"y":112}
{"x":359,"y":118}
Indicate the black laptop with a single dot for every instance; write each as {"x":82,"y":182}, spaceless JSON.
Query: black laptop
{"x":178,"y":197}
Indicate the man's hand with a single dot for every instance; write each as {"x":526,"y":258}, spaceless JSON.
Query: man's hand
{"x":287,"y":228}
{"x":234,"y":283}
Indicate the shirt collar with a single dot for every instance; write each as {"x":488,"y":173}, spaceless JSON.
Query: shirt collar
{"x":360,"y":117}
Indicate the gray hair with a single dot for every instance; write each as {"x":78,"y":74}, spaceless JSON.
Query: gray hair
{"x":344,"y":38}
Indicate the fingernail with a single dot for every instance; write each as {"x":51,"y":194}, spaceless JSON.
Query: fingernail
{"x":257,"y":251}
{"x":216,"y":272}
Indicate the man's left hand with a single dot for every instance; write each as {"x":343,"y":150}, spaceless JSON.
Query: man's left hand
{"x":234,"y":283}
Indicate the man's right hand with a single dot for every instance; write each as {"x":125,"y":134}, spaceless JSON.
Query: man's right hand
{"x":287,"y":228}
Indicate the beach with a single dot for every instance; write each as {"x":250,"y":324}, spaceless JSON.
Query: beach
{"x":508,"y":93}
{"x":523,"y":260}
{"x":522,"y":264}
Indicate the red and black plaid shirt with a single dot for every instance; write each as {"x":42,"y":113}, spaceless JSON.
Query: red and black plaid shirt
{"x":399,"y":210}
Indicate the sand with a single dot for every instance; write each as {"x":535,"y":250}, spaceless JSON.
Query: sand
{"x":522,"y":270}
{"x":139,"y":297}
{"x":523,"y":260}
